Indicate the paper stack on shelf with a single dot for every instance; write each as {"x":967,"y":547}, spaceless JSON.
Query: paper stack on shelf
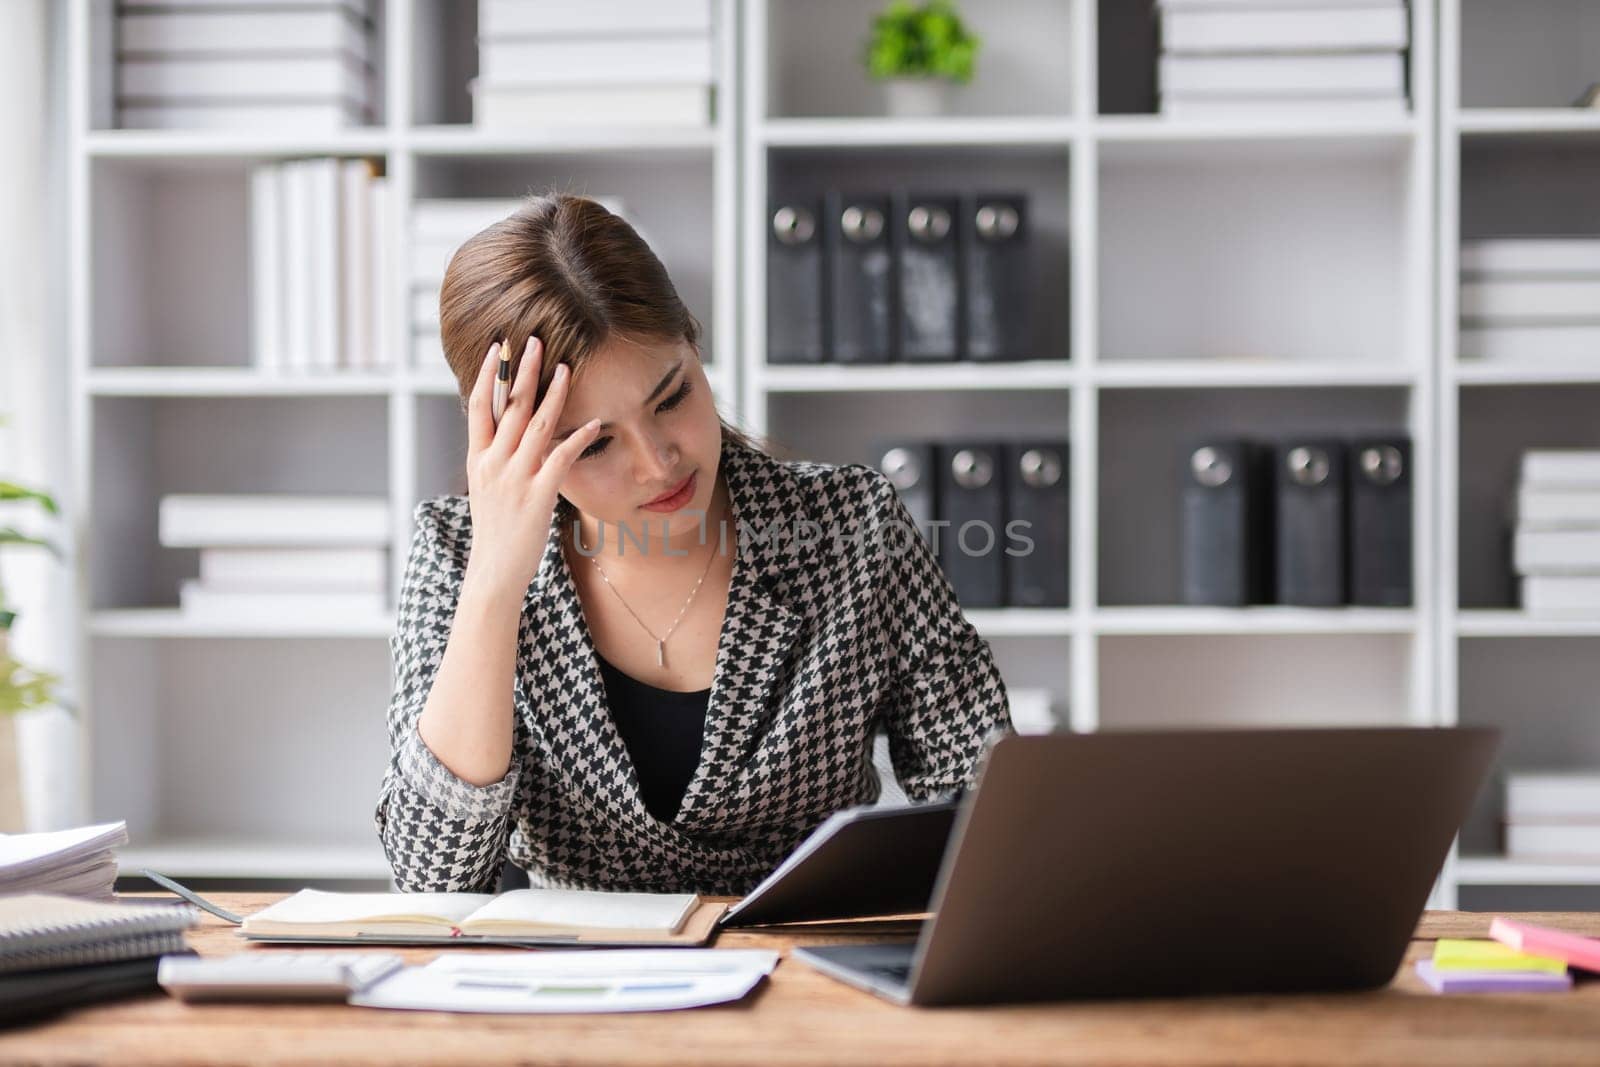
{"x":1297,"y":58}
{"x":438,"y":228}
{"x":1531,"y":298}
{"x":1553,"y":816}
{"x":321,"y":267}
{"x":273,"y":557}
{"x":594,"y":62}
{"x":244,"y":66}
{"x":76,"y":863}
{"x":1556,"y":550}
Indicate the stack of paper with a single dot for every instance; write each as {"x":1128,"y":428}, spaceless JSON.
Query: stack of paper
{"x":1531,"y":298}
{"x":275,"y":557}
{"x":588,"y":62}
{"x":1330,"y":58}
{"x":1553,"y":816}
{"x":1556,"y":550}
{"x":321,"y":266}
{"x":438,"y":228}
{"x":244,"y":66}
{"x":76,"y":863}
{"x":586,"y":981}
{"x":1461,"y":966}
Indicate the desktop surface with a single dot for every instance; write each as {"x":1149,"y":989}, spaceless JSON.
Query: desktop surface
{"x":801,"y":1017}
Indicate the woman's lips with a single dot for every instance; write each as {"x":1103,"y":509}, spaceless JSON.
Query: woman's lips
{"x":675,"y":499}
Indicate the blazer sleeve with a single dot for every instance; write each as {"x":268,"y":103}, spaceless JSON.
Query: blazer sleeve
{"x":946,"y":698}
{"x":440,"y":832}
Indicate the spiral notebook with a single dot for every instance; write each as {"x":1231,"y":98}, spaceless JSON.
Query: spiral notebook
{"x":39,"y":931}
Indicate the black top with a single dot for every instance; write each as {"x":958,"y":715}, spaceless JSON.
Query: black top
{"x":663,"y":729}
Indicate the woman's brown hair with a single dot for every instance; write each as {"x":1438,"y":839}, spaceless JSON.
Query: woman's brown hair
{"x":564,"y":269}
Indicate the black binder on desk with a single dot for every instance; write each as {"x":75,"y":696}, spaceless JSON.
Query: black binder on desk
{"x":860,"y":276}
{"x":1380,"y":522}
{"x":928,"y":253}
{"x":912,"y":467}
{"x":1309,"y":477}
{"x":1225,"y":519}
{"x":995,"y":277}
{"x":971,"y":489}
{"x":1036,"y":485}
{"x":797,"y":319}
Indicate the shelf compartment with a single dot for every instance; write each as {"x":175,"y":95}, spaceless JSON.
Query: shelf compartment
{"x":1278,"y":680}
{"x":147,"y":447}
{"x":1532,"y":54}
{"x":814,"y":66}
{"x":1225,"y":238}
{"x":1142,"y":433}
{"x":224,"y":741}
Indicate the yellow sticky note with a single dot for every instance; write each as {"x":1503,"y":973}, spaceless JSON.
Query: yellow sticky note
{"x":1456,"y":954}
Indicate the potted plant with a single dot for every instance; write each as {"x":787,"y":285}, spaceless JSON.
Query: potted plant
{"x":21,"y":687}
{"x":918,"y":52}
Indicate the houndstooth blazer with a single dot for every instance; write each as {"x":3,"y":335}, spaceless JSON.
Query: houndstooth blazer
{"x":825,"y":641}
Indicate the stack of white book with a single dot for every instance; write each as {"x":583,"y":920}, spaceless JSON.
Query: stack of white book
{"x":273,"y":558}
{"x":321,"y":266}
{"x":74,"y":863}
{"x":584,"y":62}
{"x":1297,"y":58}
{"x":289,"y":65}
{"x":1553,"y":816}
{"x":438,"y":228}
{"x":1557,"y":545}
{"x":1530,"y":298}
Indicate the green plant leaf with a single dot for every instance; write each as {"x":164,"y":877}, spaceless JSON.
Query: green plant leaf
{"x":925,"y":41}
{"x":13,"y":491}
{"x":10,"y":535}
{"x":23,"y":688}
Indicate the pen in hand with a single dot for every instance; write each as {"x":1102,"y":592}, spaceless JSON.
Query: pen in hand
{"x":502,"y":383}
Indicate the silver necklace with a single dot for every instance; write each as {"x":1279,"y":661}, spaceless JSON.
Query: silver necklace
{"x":661,"y":641}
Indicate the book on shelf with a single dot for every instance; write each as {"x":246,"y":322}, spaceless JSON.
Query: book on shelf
{"x":318,"y":266}
{"x":1576,"y":468}
{"x":243,"y":32}
{"x":1531,"y":256}
{"x":1556,"y":507}
{"x":1553,"y":796}
{"x":1303,"y":108}
{"x":1573,"y":596}
{"x":1531,"y":300}
{"x":311,"y":116}
{"x":330,"y":569}
{"x":1529,"y":343}
{"x":359,"y":7}
{"x":1378,"y":27}
{"x":1555,"y":552}
{"x":200,"y":603}
{"x":238,"y":79}
{"x":519,"y":916}
{"x":611,"y":59}
{"x":384,"y":265}
{"x":1553,"y":842}
{"x":635,"y":105}
{"x":1376,"y":74}
{"x":1257,"y":5}
{"x":195,"y":520}
{"x":518,"y":18}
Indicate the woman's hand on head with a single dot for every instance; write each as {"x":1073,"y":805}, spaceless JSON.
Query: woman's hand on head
{"x":513,"y":475}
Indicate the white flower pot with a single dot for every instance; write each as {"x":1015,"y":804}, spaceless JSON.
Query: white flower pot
{"x":916,"y":98}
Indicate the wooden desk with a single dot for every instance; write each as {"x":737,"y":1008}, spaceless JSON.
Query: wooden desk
{"x":801,"y":1017}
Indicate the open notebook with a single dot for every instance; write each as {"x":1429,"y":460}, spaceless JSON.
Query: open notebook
{"x":521,"y":916}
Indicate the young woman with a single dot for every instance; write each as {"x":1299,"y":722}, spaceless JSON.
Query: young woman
{"x":641,"y":653}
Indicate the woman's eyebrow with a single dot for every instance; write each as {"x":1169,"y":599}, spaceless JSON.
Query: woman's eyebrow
{"x":660,"y":388}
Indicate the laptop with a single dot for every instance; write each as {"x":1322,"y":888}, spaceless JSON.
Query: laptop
{"x":1169,"y":863}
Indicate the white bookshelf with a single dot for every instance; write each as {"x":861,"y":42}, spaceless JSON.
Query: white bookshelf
{"x":1252,"y":277}
{"x":250,"y":749}
{"x":1513,"y":157}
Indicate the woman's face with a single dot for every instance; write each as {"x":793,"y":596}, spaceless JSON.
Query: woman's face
{"x":659,"y":431}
